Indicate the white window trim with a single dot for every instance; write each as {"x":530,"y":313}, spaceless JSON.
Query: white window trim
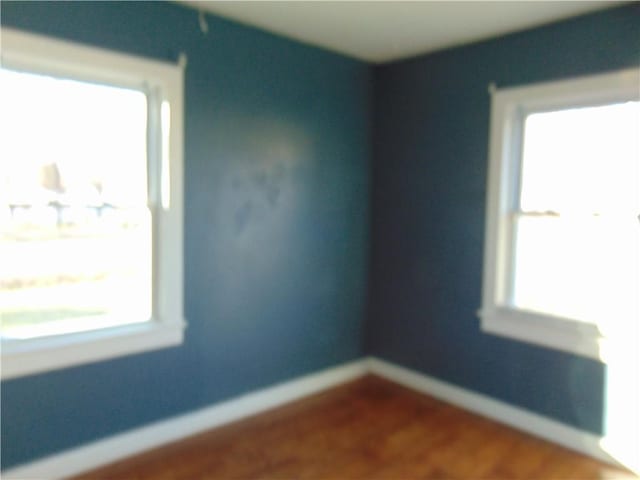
{"x":508,"y":108}
{"x":35,"y":53}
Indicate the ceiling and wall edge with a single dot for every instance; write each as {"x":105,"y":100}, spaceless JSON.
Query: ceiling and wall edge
{"x":381,"y":32}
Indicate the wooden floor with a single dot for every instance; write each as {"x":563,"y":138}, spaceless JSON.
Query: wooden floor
{"x":368,"y":429}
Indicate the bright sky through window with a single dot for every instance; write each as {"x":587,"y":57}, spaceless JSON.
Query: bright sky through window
{"x":75,"y":230}
{"x":583,"y":160}
{"x":91,"y":132}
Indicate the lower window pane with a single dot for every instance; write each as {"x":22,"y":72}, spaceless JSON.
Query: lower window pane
{"x":71,"y":279}
{"x":584,"y":269}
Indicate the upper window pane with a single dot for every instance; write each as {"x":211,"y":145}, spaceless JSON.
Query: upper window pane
{"x":75,"y":228}
{"x":582,"y":160}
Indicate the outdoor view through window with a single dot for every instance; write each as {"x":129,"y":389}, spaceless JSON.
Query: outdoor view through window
{"x":75,"y":228}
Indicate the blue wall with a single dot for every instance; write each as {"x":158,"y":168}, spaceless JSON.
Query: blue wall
{"x":431,"y":123}
{"x":276,"y":224}
{"x":278,"y":158}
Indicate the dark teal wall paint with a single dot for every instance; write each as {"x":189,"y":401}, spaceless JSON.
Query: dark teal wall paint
{"x":276,"y":220}
{"x":276,"y":224}
{"x":431,"y":123}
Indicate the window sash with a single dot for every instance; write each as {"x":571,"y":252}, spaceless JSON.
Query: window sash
{"x":110,"y":317}
{"x":164,"y":84}
{"x":509,"y":108}
{"x":578,"y":249}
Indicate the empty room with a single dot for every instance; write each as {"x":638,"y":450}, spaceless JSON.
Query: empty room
{"x":320,"y":240}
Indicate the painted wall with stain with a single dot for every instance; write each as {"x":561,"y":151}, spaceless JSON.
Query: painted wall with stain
{"x":277,"y":171}
{"x":276,"y":224}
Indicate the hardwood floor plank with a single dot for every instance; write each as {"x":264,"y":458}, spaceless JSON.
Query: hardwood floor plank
{"x":367,"y":429}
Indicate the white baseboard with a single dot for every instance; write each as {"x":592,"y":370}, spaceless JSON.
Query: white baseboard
{"x":518,"y":418}
{"x":118,"y":447}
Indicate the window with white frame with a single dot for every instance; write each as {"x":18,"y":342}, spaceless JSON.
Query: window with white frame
{"x":90,"y":204}
{"x":562,"y":247}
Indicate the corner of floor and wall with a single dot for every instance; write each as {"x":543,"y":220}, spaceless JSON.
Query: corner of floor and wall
{"x":333,"y":210}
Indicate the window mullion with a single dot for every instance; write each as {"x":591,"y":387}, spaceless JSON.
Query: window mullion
{"x":154,"y":182}
{"x":511,"y":203}
{"x":154,"y":147}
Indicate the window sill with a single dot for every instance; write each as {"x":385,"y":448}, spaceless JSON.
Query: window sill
{"x":544,"y":330}
{"x":26,"y":357}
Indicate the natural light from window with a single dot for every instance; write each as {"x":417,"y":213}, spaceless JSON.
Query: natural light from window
{"x":577,"y":243}
{"x":75,"y":228}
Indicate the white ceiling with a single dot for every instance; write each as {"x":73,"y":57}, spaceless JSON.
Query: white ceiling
{"x":380,"y":31}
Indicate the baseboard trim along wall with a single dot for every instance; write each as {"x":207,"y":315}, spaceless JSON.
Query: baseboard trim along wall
{"x":118,"y":447}
{"x":518,"y":418}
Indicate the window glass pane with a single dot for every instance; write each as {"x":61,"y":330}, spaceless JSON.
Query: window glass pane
{"x":75,"y":228}
{"x":582,"y":160}
{"x":585,"y":269}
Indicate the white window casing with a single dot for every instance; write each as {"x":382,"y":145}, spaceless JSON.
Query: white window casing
{"x":164,"y":84}
{"x":509,"y":107}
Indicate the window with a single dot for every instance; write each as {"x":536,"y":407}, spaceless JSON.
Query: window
{"x":562,"y":252}
{"x":90,"y":204}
